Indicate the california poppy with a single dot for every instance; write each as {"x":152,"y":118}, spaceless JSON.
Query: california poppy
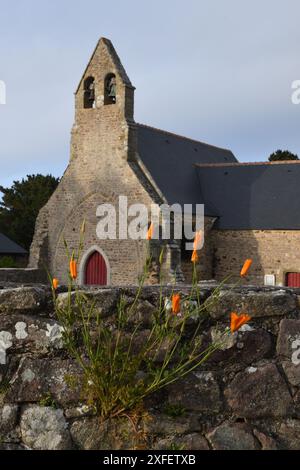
{"x":150,"y":232}
{"x":176,"y":303}
{"x":236,"y":321}
{"x":246,"y":267}
{"x":73,"y":269}
{"x":194,"y":257}
{"x":55,"y":283}
{"x":198,"y":240}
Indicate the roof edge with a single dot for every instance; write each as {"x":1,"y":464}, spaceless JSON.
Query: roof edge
{"x":183,"y":137}
{"x":239,"y":164}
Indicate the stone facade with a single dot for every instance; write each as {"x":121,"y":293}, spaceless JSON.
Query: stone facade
{"x":246,"y":396}
{"x":273,"y":252}
{"x":103,"y":165}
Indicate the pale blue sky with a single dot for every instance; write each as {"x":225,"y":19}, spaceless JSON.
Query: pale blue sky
{"x":218,"y":71}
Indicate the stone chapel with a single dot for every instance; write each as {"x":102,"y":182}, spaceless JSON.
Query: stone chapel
{"x":251,"y":209}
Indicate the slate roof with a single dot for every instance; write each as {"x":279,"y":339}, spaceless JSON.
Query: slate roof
{"x":243,"y":196}
{"x":8,"y":247}
{"x":170,"y":160}
{"x":261,"y":196}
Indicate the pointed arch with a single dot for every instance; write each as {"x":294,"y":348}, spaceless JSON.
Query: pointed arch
{"x":85,"y":260}
{"x":110,"y":90}
{"x":89,"y":92}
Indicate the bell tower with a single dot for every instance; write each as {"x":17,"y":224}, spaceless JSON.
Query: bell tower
{"x":105,"y":82}
{"x":104,"y":104}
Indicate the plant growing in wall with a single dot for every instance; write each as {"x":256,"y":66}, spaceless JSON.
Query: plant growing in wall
{"x":122,"y":362}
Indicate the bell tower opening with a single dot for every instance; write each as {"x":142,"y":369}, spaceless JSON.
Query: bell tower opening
{"x":89,"y":93}
{"x":110,"y":89}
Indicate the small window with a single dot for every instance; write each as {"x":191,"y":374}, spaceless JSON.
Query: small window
{"x":110,"y":89}
{"x":269,"y":280}
{"x":89,"y":93}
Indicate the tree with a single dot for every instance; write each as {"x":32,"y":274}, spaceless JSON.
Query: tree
{"x":7,"y":262}
{"x":21,"y":204}
{"x":281,"y":155}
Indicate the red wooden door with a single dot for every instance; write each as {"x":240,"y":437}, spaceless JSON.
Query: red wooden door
{"x":96,"y":270}
{"x":293,"y":279}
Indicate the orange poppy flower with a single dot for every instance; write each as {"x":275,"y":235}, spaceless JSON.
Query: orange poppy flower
{"x":73,"y":269}
{"x":236,"y":321}
{"x":197,"y":240}
{"x":194,"y":257}
{"x":175,"y":303}
{"x":55,"y":283}
{"x":246,"y":267}
{"x":150,"y":232}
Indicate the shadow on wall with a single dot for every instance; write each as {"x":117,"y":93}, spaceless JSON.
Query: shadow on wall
{"x":205,"y":263}
{"x":230,"y":249}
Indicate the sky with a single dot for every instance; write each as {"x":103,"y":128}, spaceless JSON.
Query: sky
{"x":220,"y":72}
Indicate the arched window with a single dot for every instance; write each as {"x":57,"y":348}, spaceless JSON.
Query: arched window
{"x":110,"y":89}
{"x":89,"y":93}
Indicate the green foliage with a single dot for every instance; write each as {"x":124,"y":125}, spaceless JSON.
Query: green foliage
{"x":282,"y":155}
{"x":122,"y":362}
{"x":174,"y":410}
{"x":72,"y":381}
{"x":21,"y":204}
{"x":175,"y":446}
{"x":7,"y":262}
{"x":120,"y":369}
{"x":47,"y":400}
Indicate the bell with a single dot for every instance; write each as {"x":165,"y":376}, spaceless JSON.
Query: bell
{"x":112,"y":92}
{"x":112,"y":88}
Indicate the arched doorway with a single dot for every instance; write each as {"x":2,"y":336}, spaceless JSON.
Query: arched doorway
{"x":95,"y":270}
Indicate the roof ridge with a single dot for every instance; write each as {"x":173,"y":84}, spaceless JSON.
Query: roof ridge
{"x":182,"y":136}
{"x":283,"y":162}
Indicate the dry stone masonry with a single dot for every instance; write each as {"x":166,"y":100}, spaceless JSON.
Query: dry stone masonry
{"x":246,"y":396}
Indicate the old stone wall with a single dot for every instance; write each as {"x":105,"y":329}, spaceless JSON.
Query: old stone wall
{"x":273,"y":252}
{"x":22,"y":275}
{"x":246,"y":396}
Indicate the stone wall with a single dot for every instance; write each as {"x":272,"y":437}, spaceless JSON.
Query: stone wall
{"x":273,"y":252}
{"x":247,"y":396}
{"x":22,"y":275}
